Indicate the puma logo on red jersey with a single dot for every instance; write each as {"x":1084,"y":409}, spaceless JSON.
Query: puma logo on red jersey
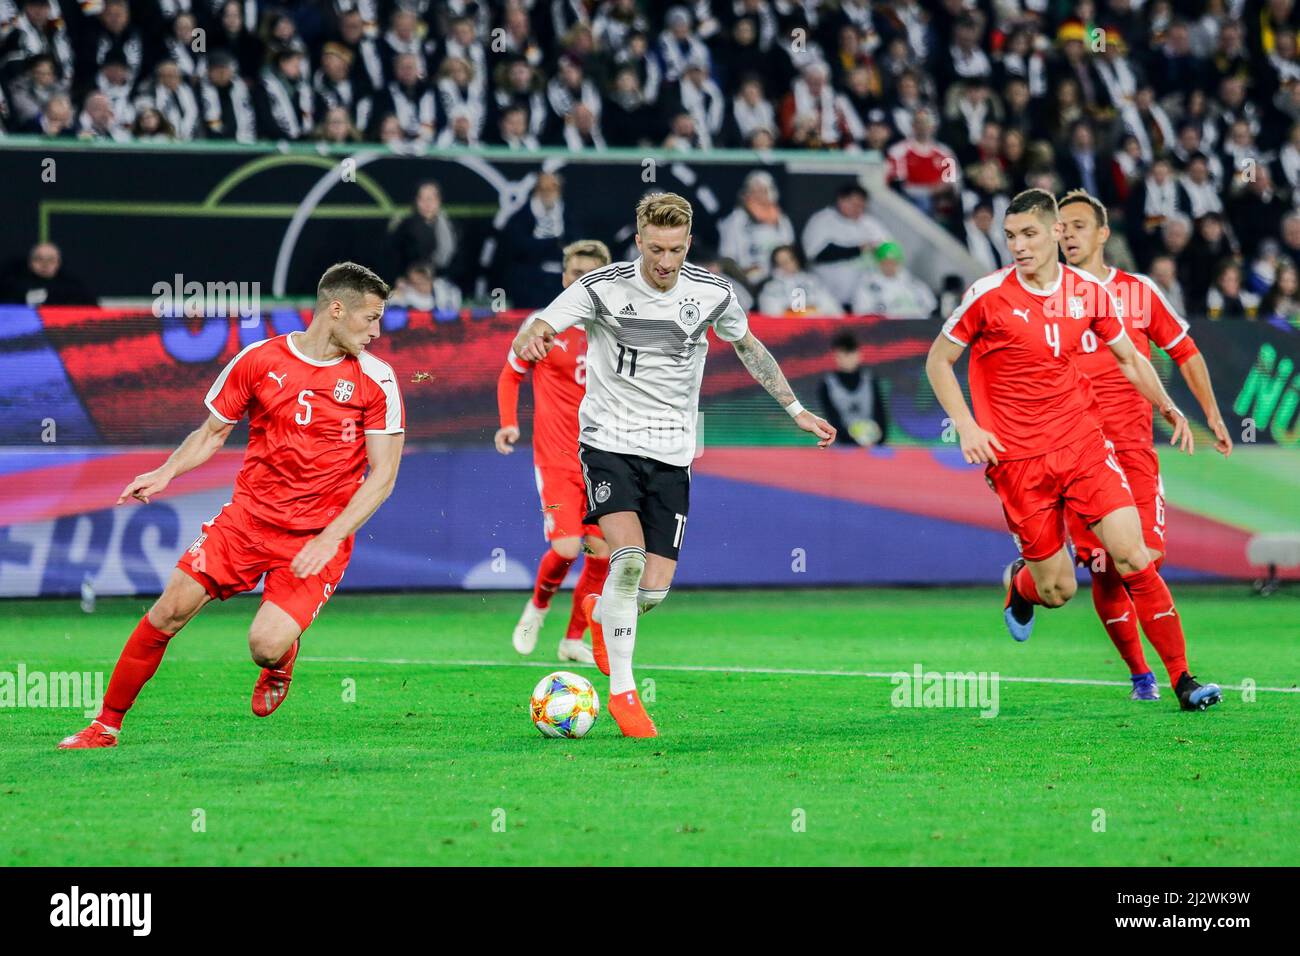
{"x":279,"y":379}
{"x":1023,"y":313}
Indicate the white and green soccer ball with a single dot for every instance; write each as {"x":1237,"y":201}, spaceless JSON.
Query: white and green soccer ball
{"x":564,"y":705}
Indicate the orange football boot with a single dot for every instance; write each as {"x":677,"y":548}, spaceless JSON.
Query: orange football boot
{"x":272,"y":685}
{"x":597,"y":634}
{"x":630,"y":716}
{"x":96,"y":735}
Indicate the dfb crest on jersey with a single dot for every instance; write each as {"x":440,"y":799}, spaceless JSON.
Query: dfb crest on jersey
{"x":689,"y":315}
{"x":1076,"y":307}
{"x":343,"y":390}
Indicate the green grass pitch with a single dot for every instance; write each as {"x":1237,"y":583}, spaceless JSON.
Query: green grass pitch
{"x":435,"y":761}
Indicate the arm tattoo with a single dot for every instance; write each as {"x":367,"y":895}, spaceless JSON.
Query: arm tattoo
{"x":755,"y":357}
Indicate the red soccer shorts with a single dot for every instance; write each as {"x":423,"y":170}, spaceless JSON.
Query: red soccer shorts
{"x":1142,"y":468}
{"x":564,"y":503}
{"x":236,"y":548}
{"x":1083,"y":477}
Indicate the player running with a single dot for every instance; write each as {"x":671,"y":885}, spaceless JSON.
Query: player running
{"x":559,"y":384}
{"x":1043,"y":444}
{"x":320,"y":409}
{"x":646,"y":323}
{"x":1126,"y":419}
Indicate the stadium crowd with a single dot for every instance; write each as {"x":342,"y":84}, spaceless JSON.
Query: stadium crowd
{"x":1184,"y":117}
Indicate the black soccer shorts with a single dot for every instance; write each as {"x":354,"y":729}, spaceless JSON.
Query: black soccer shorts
{"x":659,"y":493}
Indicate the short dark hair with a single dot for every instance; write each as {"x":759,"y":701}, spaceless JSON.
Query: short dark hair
{"x":851,"y":189}
{"x":349,"y":277}
{"x":1083,"y":196}
{"x":1036,"y":201}
{"x":844,"y":342}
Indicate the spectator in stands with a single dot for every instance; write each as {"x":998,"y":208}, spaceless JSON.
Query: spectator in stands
{"x":56,"y":120}
{"x":1164,"y":273}
{"x":626,"y":118}
{"x":838,"y":237}
{"x":417,"y":288}
{"x":426,"y":234}
{"x":29,"y":93}
{"x":1226,"y":298}
{"x":678,"y":44}
{"x":893,"y":291}
{"x":112,"y":36}
{"x":460,"y":89}
{"x":984,"y":240}
{"x":574,"y":107}
{"x":1256,"y":211}
{"x":1200,"y":188}
{"x":1158,"y":197}
{"x":1290,"y":237}
{"x":336,"y":127}
{"x":1211,"y":245}
{"x":151,"y":126}
{"x":512,"y":130}
{"x":172,"y":96}
{"x":1281,"y":304}
{"x":41,"y":280}
{"x":35,"y":33}
{"x":750,"y":111}
{"x":925,"y":170}
{"x":97,"y":120}
{"x":695,"y":93}
{"x":228,"y":110}
{"x":333,"y":87}
{"x":233,"y":38}
{"x":792,"y":290}
{"x":530,"y":246}
{"x":114,"y":81}
{"x":410,"y":99}
{"x":809,"y":115}
{"x":637,"y":55}
{"x":757,"y":225}
{"x":520,"y":85}
{"x":283,"y":99}
{"x":850,"y":396}
{"x":179,"y":46}
{"x":727,"y":269}
{"x":1083,"y":166}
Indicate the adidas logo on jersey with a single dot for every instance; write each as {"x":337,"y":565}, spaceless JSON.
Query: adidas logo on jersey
{"x":628,"y":310}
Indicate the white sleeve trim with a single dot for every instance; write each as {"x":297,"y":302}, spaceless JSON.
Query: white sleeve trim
{"x":952,"y":338}
{"x":1122,"y":335}
{"x":384,"y":431}
{"x":213,"y":409}
{"x":514,"y":363}
{"x":388,"y":386}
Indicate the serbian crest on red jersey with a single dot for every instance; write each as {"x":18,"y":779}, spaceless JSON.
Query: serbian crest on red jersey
{"x":343,"y":390}
{"x":1076,"y":308}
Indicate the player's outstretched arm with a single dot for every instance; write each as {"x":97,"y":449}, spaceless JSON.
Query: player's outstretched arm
{"x":384,"y":453}
{"x":1197,"y":376}
{"x":978,"y":447}
{"x":200,"y":445}
{"x":534,"y":341}
{"x":755,"y":357}
{"x":1137,"y":369}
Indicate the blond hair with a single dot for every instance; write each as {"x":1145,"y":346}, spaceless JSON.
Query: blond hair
{"x":588,"y":249}
{"x":1083,"y":196}
{"x":665,"y":210}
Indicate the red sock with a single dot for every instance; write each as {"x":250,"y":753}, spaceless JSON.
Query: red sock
{"x":592,"y":581}
{"x":138,"y":662}
{"x":1023,"y":582}
{"x":1160,"y":621}
{"x":550,"y":575}
{"x":1119,"y":617}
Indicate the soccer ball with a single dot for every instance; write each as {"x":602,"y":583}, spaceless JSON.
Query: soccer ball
{"x":564,"y":705}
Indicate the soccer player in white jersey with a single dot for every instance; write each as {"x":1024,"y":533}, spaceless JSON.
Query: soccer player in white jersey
{"x":646,"y":323}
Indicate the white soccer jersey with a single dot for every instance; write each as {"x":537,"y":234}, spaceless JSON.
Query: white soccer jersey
{"x":645,"y":355}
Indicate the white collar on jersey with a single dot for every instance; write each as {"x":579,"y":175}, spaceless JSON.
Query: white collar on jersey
{"x":310,"y":361}
{"x":1060,"y":274}
{"x":646,"y":287}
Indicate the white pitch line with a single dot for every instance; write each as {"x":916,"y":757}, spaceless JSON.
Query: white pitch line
{"x":709,"y":669}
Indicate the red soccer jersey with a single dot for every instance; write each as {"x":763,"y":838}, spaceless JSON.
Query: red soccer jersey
{"x":1025,"y":384}
{"x":559,"y":384}
{"x":307,"y":422}
{"x":1148,"y":317}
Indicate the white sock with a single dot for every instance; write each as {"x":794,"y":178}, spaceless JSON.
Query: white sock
{"x":647,"y":599}
{"x":618,"y":613}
